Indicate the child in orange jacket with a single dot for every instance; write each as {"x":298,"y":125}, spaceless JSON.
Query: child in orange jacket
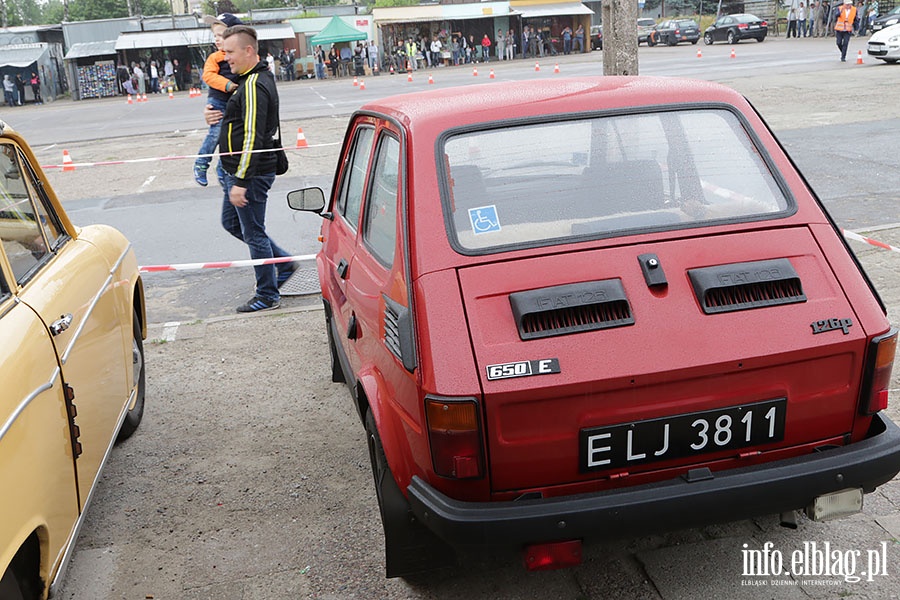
{"x":218,"y":76}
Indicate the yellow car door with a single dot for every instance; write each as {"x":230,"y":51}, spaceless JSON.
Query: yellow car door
{"x":71,"y":284}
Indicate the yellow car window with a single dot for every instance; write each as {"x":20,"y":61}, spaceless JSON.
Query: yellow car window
{"x":20,"y":230}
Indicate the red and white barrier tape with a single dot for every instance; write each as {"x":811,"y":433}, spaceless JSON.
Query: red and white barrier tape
{"x":222,"y":265}
{"x":850,"y":235}
{"x":106,"y":163}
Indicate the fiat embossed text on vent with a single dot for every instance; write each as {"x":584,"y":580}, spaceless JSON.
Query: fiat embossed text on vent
{"x":571,"y":308}
{"x":742,"y":286}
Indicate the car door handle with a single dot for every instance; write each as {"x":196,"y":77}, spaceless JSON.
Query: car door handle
{"x":61,"y":324}
{"x":342,"y":268}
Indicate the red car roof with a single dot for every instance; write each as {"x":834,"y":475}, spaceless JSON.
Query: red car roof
{"x":444,"y":108}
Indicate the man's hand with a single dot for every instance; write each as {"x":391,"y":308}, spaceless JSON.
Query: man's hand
{"x":211,"y":115}
{"x":238,"y":196}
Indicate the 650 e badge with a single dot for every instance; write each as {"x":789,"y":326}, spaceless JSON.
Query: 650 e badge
{"x":523,"y":368}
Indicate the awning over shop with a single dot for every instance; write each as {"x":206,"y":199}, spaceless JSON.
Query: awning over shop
{"x":172,"y":38}
{"x":87,"y":49}
{"x":530,"y":11}
{"x":279,"y":31}
{"x":441,"y":12}
{"x":408,"y":14}
{"x":22,"y":55}
{"x":336,"y":32}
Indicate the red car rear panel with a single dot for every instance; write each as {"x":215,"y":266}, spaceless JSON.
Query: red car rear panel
{"x":674,"y":359}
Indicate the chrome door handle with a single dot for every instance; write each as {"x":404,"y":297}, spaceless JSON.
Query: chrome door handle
{"x":61,"y":324}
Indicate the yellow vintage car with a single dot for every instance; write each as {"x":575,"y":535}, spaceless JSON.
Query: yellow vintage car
{"x":72,"y":325}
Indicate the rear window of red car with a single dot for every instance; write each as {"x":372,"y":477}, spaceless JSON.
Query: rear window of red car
{"x":551,"y":182}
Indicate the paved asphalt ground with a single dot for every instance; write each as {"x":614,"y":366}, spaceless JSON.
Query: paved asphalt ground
{"x":249,"y":478}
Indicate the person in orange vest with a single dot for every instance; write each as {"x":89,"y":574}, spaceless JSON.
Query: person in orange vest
{"x":843,"y":27}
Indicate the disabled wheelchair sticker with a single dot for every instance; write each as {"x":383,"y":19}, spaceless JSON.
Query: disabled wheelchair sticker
{"x":484,"y":219}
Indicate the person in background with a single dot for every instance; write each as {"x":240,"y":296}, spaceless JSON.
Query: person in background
{"x":579,"y":38}
{"x":9,"y":91}
{"x":500,"y":41}
{"x":843,"y":27}
{"x":486,"y":48}
{"x":510,"y":44}
{"x":320,"y":62}
{"x":36,"y":88}
{"x":567,"y":40}
{"x":154,"y":78}
{"x":334,"y":61}
{"x":218,"y":76}
{"x":20,"y":86}
{"x":373,"y":55}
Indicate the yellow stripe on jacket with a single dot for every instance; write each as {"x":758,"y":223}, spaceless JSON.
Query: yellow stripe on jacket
{"x":250,"y":103}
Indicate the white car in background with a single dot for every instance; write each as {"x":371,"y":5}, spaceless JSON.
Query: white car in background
{"x":885,"y":44}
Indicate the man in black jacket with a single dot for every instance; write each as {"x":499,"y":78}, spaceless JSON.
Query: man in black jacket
{"x":249,"y":124}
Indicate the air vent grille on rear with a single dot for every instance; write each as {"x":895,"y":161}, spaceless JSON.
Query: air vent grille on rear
{"x":742,"y":286}
{"x":571,"y":308}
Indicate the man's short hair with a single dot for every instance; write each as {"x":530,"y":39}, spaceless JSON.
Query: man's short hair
{"x":244,"y":30}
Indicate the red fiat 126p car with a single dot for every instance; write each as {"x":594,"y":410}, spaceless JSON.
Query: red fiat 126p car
{"x":590,"y":308}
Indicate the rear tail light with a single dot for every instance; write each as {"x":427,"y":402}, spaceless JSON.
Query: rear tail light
{"x":880,"y":360}
{"x":455,"y":437}
{"x":556,"y":555}
{"x":742,"y":26}
{"x":764,"y":24}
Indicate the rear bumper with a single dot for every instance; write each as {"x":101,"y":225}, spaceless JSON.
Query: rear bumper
{"x":765,"y":489}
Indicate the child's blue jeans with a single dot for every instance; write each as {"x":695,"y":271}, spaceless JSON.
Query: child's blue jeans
{"x":211,"y":141}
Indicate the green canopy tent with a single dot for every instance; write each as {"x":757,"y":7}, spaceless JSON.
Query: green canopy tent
{"x":335,"y":32}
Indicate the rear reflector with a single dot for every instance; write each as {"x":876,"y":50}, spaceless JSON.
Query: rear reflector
{"x":455,"y":437}
{"x":558,"y":555}
{"x":836,"y":505}
{"x":878,"y":373}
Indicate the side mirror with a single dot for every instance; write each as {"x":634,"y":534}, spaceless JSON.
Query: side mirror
{"x":308,"y":199}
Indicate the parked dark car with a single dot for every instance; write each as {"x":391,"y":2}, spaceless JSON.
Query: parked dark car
{"x":597,"y":37}
{"x":673,"y":31}
{"x":734,"y":28}
{"x":892,"y":17}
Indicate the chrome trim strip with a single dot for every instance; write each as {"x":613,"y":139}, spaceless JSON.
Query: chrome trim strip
{"x":70,"y":549}
{"x":24,"y":404}
{"x":90,"y":310}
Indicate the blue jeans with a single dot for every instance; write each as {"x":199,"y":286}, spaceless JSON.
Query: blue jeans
{"x":211,"y":141}
{"x":320,"y":70}
{"x":842,"y":39}
{"x":248,"y":224}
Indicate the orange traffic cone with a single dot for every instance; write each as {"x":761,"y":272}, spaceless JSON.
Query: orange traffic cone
{"x":537,"y":67}
{"x":144,"y":98}
{"x":362,"y":84}
{"x":409,"y":77}
{"x":732,"y":53}
{"x":859,"y":59}
{"x":171,"y":94}
{"x":699,"y":53}
{"x":355,"y":82}
{"x":130,"y":101}
{"x":474,"y":71}
{"x":556,"y":68}
{"x":491,"y":75}
{"x":68,"y":165}
{"x":430,"y":79}
{"x":392,"y":69}
{"x":301,"y":139}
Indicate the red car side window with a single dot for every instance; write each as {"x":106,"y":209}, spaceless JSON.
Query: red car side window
{"x":350,"y":200}
{"x":380,"y":225}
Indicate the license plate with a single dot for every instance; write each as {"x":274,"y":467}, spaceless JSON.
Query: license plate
{"x":754,"y":26}
{"x":874,"y":48}
{"x":679,"y":436}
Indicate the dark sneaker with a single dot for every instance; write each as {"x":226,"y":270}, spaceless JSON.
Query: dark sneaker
{"x":200,"y":176}
{"x":257,"y":304}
